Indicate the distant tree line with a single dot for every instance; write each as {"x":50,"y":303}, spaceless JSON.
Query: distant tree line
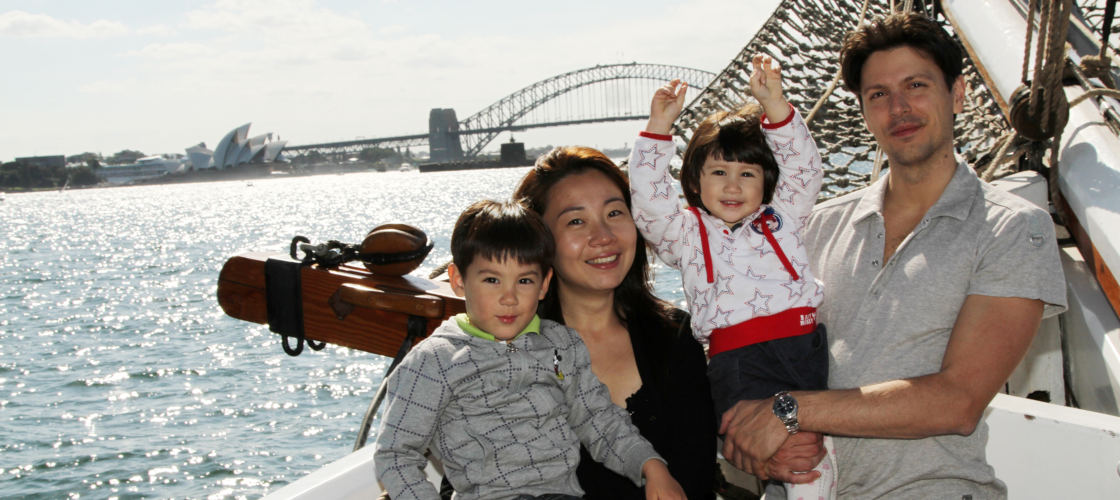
{"x":79,"y":170}
{"x":377,"y":156}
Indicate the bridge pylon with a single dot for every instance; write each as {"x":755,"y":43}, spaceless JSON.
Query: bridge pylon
{"x":443,"y":135}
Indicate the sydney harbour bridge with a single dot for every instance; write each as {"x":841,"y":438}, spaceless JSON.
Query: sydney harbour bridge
{"x":604,"y":93}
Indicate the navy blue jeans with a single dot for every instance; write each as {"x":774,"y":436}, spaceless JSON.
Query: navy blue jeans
{"x":757,"y":371}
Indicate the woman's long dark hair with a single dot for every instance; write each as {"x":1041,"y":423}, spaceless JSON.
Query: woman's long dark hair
{"x":634,"y":302}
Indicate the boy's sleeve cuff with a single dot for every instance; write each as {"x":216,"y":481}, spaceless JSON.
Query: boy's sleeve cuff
{"x":657,"y":137}
{"x":766,"y":121}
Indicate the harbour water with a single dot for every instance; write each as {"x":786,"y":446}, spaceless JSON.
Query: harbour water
{"x":121,"y":377}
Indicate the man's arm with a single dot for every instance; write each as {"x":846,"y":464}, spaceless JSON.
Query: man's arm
{"x":990,"y":337}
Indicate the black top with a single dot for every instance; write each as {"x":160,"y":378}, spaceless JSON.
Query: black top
{"x":673,"y":410}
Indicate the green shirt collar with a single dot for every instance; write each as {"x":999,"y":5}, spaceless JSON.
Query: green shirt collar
{"x":464,"y":322}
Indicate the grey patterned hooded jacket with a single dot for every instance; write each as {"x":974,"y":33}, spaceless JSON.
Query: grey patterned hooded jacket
{"x":504,"y":419}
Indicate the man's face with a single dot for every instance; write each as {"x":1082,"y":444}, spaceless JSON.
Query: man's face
{"x":907,"y":106}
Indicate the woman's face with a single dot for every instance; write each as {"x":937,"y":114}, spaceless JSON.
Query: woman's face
{"x":595,"y":234}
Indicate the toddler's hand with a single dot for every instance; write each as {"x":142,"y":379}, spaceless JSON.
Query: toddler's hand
{"x":766,"y":85}
{"x":660,"y":484}
{"x":666,"y":105}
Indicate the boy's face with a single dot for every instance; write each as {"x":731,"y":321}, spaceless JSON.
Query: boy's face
{"x":501,"y":296}
{"x":731,"y":190}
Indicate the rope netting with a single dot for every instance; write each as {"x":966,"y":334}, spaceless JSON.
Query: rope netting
{"x":805,"y":36}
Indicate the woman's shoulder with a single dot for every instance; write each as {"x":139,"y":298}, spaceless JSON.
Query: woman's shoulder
{"x":670,"y":325}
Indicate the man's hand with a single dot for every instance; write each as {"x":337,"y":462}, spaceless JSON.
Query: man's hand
{"x":660,"y":483}
{"x":752,"y":434}
{"x":795,"y":460}
{"x":766,"y":86}
{"x":666,"y":105}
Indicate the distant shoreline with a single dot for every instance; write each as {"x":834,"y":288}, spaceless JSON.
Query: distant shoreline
{"x":245,"y":172}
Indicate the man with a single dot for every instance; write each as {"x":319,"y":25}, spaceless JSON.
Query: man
{"x":935,"y":284}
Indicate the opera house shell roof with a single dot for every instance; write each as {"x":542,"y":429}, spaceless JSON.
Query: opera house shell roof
{"x":236,"y":148}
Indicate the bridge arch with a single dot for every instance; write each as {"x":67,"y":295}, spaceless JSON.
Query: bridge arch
{"x":482,"y":127}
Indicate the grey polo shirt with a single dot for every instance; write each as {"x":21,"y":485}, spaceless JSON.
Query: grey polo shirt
{"x":892,"y":320}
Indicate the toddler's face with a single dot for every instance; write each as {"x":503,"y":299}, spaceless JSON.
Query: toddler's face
{"x":731,"y":190}
{"x":501,"y":296}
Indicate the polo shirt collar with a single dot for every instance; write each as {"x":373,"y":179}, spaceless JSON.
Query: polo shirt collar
{"x":954,"y":200}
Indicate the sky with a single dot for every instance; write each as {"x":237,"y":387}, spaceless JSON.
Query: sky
{"x":160,"y":76}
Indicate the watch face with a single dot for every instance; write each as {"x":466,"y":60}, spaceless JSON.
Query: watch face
{"x":785,"y":407}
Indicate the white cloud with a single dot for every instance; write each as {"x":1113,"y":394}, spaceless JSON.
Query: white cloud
{"x":20,"y":24}
{"x":392,"y":30}
{"x":280,"y":20}
{"x":160,"y":30}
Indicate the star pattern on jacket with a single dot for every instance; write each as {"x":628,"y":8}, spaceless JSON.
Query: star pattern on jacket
{"x":649,"y":156}
{"x":760,"y":302}
{"x":672,"y":219}
{"x":796,"y":235}
{"x":818,"y":293}
{"x":696,"y":259}
{"x":785,"y":193}
{"x":643,"y":222}
{"x":666,"y":245}
{"x":763,"y":248}
{"x":794,"y":287}
{"x":662,"y":188}
{"x":723,"y":286}
{"x":785,"y":150}
{"x":750,"y":274}
{"x":719,"y":318}
{"x":700,"y":296}
{"x":727,"y":252}
{"x":806,"y":175}
{"x":799,"y":266}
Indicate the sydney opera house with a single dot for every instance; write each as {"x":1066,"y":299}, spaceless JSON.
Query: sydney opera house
{"x":236,"y":148}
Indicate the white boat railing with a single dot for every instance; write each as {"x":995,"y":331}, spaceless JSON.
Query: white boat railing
{"x":1042,"y":450}
{"x":1039,"y":450}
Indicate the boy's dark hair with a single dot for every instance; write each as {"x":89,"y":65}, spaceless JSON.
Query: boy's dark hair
{"x":729,"y":136}
{"x":498,"y":231}
{"x":903,"y":29}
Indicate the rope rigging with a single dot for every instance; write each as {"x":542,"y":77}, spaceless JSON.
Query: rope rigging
{"x":803,"y":35}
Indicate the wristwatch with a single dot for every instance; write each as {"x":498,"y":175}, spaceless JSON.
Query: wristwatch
{"x":785,"y":408}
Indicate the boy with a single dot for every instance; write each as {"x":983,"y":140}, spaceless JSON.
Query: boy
{"x":500,"y":396}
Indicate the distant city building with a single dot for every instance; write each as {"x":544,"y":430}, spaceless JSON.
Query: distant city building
{"x":236,"y":148}
{"x":53,"y":161}
{"x":144,"y":168}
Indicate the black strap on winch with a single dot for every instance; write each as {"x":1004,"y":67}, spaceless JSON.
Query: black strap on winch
{"x":284,"y":303}
{"x":417,"y":328}
{"x":335,"y":253}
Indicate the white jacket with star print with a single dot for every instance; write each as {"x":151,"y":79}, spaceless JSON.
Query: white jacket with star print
{"x":750,"y":280}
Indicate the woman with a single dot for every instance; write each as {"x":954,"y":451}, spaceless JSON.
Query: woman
{"x":640,"y":346}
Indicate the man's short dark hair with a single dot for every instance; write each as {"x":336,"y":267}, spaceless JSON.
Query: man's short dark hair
{"x":903,"y":29}
{"x":498,"y":231}
{"x":728,"y":136}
